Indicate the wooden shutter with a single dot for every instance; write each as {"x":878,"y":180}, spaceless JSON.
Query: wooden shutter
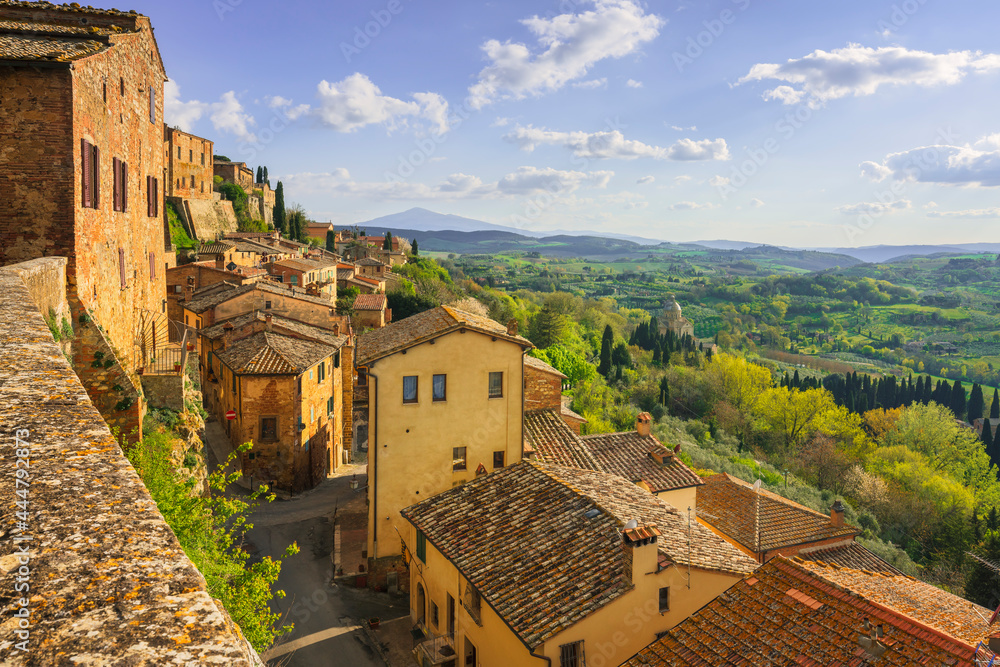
{"x":121,"y":266}
{"x":156,"y":197}
{"x":124,"y":186}
{"x":152,"y":265}
{"x":149,"y":196}
{"x":152,"y":104}
{"x":95,"y":178}
{"x":85,"y":171}
{"x":115,"y":168}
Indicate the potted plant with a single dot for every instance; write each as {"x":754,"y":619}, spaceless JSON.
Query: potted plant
{"x":140,"y":370}
{"x":190,"y":347}
{"x":177,"y":368}
{"x":374,"y":622}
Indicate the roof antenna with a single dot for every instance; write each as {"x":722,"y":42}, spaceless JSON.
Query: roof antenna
{"x":756,"y":486}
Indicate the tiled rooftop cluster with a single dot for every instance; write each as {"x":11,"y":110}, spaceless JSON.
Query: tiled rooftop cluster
{"x":62,"y":34}
{"x":761,"y":520}
{"x":209,"y":297}
{"x":796,"y":612}
{"x":542,"y":544}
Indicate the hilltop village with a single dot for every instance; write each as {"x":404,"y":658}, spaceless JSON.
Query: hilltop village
{"x":513,"y":534}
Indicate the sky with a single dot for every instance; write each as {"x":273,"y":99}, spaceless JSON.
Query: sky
{"x":799,"y":122}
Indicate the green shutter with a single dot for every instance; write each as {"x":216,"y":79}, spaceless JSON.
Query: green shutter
{"x":421,"y":546}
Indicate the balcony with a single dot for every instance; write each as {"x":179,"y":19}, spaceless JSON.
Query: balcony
{"x":436,"y":652}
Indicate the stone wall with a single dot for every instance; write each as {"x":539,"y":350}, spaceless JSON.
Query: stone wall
{"x":206,"y":219}
{"x":164,"y":391}
{"x":542,"y":391}
{"x":189,"y":165}
{"x":109,"y":583}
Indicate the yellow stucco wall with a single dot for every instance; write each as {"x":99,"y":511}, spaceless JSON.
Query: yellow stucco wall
{"x":611,"y":635}
{"x":682,"y":499}
{"x":410,"y":445}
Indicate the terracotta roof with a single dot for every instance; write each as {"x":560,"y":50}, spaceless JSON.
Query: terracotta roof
{"x":553,"y":441}
{"x":370,"y":302}
{"x":369,"y":261}
{"x":300,"y":264}
{"x":522,"y":537}
{"x":423,"y":326}
{"x":248,"y":235}
{"x":216,"y":248}
{"x":365,"y":280}
{"x":793,"y":612}
{"x":630,"y":456}
{"x":566,"y":412}
{"x":540,"y":365}
{"x":252,"y":246}
{"x":67,"y":8}
{"x":202,"y":302}
{"x":731,"y":506}
{"x":851,"y":555}
{"x":345,"y":274}
{"x":270,"y":353}
{"x":279,"y":324}
{"x":25,"y":36}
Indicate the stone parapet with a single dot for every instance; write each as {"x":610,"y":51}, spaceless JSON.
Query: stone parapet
{"x":108,"y":583}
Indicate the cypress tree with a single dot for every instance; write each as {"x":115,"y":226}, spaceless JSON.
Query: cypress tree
{"x":919,"y":393}
{"x":959,"y":401}
{"x":926,"y":398}
{"x":656,"y":354}
{"x":975,"y":409}
{"x":331,"y":240}
{"x":607,"y":342}
{"x":796,"y":380}
{"x":664,"y":392}
{"x":387,"y":244}
{"x":279,"y":209}
{"x":995,"y":408}
{"x":416,"y":250}
{"x":266,"y":179}
{"x":260,"y":174}
{"x":995,"y":456}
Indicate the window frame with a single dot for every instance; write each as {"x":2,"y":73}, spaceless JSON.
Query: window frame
{"x":572,"y":654}
{"x":503,"y":459}
{"x":444,"y":393}
{"x":664,"y":592}
{"x":263,"y":437}
{"x":416,"y":389}
{"x":421,"y":546}
{"x":456,"y":466}
{"x":490,"y":385}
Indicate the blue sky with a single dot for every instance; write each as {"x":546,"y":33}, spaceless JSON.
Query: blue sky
{"x":789,"y":122}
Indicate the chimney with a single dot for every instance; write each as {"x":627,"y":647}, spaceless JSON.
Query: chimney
{"x":336,"y":329}
{"x":662,"y":454}
{"x":643,"y":424}
{"x":512,"y":327}
{"x":227,"y":336}
{"x":837,"y":514}
{"x":641,"y":554}
{"x":388,"y":315}
{"x":220,"y":262}
{"x":189,"y":289}
{"x":267,"y":322}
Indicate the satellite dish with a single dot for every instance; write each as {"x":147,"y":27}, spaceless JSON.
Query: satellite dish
{"x":756,"y":486}
{"x":631,"y":524}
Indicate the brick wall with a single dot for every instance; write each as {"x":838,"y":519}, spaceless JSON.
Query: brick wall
{"x":189,"y":163}
{"x":542,"y":391}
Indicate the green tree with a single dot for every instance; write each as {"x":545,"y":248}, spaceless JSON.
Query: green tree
{"x":266,"y":179}
{"x":387,"y":243}
{"x":260,"y":175}
{"x":279,"y":209}
{"x":547,"y":327}
{"x":959,"y":400}
{"x":297,"y":222}
{"x":607,"y":343}
{"x":416,"y":250}
{"x":331,"y":240}
{"x":995,"y":407}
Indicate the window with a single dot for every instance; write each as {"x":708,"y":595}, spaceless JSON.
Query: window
{"x":268,"y":428}
{"x":571,"y":655}
{"x":322,"y":373}
{"x":496,"y":384}
{"x":178,"y":290}
{"x":665,"y":599}
{"x":234,"y":383}
{"x":190,"y":156}
{"x":152,"y":105}
{"x":104,"y":90}
{"x":362,"y":377}
{"x":336,"y":359}
{"x":90,"y":174}
{"x":120,"y":170}
{"x":458,"y":458}
{"x":440,"y":386}
{"x":122,"y":86}
{"x":422,"y":555}
{"x":435,"y":614}
{"x":300,"y":384}
{"x":295,"y":280}
{"x":267,"y":305}
{"x":152,"y":197}
{"x":121,"y":267}
{"x":498,"y":460}
{"x":178,"y":152}
{"x":203,"y":163}
{"x":312,"y":414}
{"x":152,"y":265}
{"x":410,"y":389}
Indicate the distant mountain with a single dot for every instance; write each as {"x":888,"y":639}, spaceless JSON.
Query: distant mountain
{"x":421,"y":219}
{"x":727,"y":245}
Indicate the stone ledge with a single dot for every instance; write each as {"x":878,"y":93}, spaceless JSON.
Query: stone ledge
{"x":109,"y":581}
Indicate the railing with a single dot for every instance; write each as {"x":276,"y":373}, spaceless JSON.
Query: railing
{"x":436,"y":651}
{"x":166,"y":361}
{"x":984,"y":657}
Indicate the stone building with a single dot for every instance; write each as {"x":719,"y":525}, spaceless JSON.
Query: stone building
{"x":673,"y":320}
{"x":224,"y":300}
{"x":539,"y":564}
{"x":444,"y":401}
{"x":189,"y":165}
{"x":371,"y":311}
{"x":235,"y":172}
{"x":317,"y":276}
{"x":287,"y":383}
{"x":373,"y":268}
{"x":184,"y":280}
{"x":82,"y":167}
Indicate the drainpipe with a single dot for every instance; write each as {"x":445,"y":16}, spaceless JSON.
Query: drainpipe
{"x":541,"y":657}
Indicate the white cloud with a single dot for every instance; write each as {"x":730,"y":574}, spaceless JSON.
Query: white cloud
{"x":930,"y":205}
{"x":567,"y":46}
{"x":718,"y":181}
{"x":689,"y":206}
{"x":756,"y":203}
{"x":592,"y":83}
{"x":693,"y":128}
{"x":524,"y":181}
{"x":227,"y":115}
{"x":875,"y":207}
{"x":969,"y":165}
{"x":683,"y":178}
{"x":968,"y":213}
{"x":355,"y":102}
{"x":501,"y":121}
{"x":645,"y":179}
{"x":857,"y":70}
{"x":613,"y":144}
{"x":632,"y":83}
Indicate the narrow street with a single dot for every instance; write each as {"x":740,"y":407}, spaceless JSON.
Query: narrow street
{"x":327,"y":618}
